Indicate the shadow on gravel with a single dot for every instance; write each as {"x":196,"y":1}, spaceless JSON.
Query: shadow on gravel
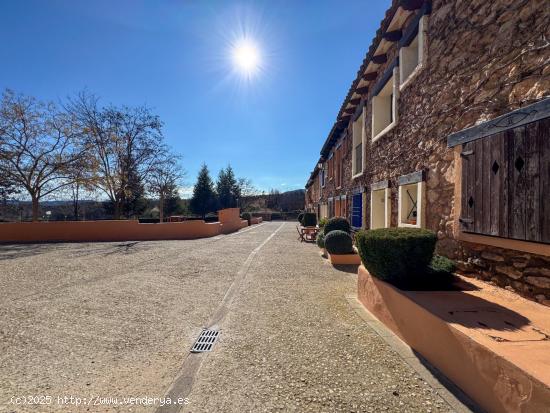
{"x":352,"y":269}
{"x":14,"y":251}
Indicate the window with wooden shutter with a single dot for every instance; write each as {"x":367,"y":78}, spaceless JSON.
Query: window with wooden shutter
{"x":506,"y":183}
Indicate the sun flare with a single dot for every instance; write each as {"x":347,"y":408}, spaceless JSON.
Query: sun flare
{"x":246,"y":57}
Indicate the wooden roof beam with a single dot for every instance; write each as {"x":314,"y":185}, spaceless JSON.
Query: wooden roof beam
{"x":380,"y":59}
{"x":355,"y":101}
{"x":393,"y":36}
{"x":370,"y":76}
{"x":410,"y":5}
{"x":362,"y":90}
{"x":349,"y":110}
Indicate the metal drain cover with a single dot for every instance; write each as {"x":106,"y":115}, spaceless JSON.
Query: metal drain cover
{"x":206,"y":341}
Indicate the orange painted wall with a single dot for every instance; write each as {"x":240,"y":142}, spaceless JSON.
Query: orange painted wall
{"x":83,"y":231}
{"x":500,"y":376}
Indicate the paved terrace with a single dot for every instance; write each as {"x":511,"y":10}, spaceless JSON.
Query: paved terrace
{"x":118,"y":319}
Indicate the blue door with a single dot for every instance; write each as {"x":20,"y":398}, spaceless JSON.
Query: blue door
{"x":357,"y":211}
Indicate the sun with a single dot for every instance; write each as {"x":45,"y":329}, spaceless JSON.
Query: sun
{"x":246,"y":57}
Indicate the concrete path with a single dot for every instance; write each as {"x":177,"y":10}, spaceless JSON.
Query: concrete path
{"x":107,"y":321}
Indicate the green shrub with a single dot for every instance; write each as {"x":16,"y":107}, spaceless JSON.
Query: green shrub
{"x":247,"y":216}
{"x":322,"y":222}
{"x":320,"y":240}
{"x":441,"y":263}
{"x":276,"y":215}
{"x":300,"y":217}
{"x":337,"y":223}
{"x":396,"y":255}
{"x":309,"y":219}
{"x":338,"y":242}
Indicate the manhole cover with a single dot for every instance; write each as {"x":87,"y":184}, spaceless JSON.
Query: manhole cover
{"x":206,"y":341}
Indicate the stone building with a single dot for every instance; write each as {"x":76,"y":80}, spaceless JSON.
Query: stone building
{"x":447,"y":127}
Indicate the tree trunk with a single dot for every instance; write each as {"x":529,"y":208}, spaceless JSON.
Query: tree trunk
{"x":75,"y":202}
{"x":34,"y":208}
{"x":161,"y":207}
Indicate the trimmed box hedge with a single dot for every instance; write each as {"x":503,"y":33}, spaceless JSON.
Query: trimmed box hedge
{"x":338,"y":242}
{"x":320,"y":240}
{"x":309,"y":219}
{"x":400,"y":256}
{"x":337,"y":223}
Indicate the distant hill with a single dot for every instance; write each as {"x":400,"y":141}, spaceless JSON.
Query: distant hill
{"x":275,"y":201}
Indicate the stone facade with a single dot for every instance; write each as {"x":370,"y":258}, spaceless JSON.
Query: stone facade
{"x":481,"y":60}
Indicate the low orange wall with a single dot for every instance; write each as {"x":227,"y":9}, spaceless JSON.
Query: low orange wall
{"x":508,"y":374}
{"x":256,"y":220}
{"x":83,"y":231}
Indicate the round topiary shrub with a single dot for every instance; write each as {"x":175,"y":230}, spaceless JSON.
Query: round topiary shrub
{"x":337,"y":224}
{"x":309,"y":219}
{"x":396,"y":255}
{"x":300,"y":217}
{"x":338,"y":242}
{"x":320,"y":240}
{"x":247,"y":216}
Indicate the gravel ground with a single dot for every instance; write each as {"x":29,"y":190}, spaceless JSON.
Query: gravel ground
{"x":118,"y":319}
{"x":291,"y":343}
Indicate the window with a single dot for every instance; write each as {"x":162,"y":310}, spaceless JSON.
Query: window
{"x":384,"y":108}
{"x":331,"y":207}
{"x":337,"y":208}
{"x":322,"y":174}
{"x":323,"y":211}
{"x":380,"y":208}
{"x":343,"y":207}
{"x":506,"y":182}
{"x":411,"y":205}
{"x":357,"y":210}
{"x":357,"y":147}
{"x":411,"y":54}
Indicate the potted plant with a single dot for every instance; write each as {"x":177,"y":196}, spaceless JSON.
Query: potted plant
{"x":339,"y":246}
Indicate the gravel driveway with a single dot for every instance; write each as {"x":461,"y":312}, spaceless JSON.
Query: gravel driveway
{"x":113,"y":320}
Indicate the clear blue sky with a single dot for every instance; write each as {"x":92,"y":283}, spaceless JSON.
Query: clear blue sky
{"x":175,"y":56}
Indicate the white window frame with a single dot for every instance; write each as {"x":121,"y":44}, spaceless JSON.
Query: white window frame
{"x":323,"y":176}
{"x":387,"y":207}
{"x":420,"y":205}
{"x":361,"y":118}
{"x":422,"y":52}
{"x":375,"y":99}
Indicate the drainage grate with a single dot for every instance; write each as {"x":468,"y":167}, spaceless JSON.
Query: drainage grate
{"x":206,"y":341}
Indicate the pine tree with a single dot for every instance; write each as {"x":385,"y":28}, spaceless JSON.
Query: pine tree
{"x":227,"y":188}
{"x":204,"y":197}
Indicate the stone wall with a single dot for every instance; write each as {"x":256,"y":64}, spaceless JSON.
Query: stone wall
{"x":483,"y":59}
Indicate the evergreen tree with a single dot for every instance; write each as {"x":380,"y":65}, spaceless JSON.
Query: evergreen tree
{"x":227,"y":188}
{"x":172,"y":203}
{"x":204,"y":197}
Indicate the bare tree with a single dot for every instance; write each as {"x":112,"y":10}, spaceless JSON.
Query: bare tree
{"x":39,"y":144}
{"x":125,"y":143}
{"x":164,"y":178}
{"x":247,"y":191}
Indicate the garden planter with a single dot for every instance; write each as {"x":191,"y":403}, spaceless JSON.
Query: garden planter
{"x":344,"y":259}
{"x":490,"y":342}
